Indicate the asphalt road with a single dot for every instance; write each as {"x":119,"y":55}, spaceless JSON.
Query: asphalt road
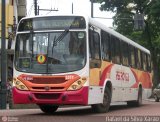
{"x":148,"y":112}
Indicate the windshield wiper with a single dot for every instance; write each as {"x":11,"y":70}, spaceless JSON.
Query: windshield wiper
{"x":60,"y":37}
{"x":55,"y":41}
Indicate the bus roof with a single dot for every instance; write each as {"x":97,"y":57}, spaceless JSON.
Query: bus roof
{"x":118,"y":35}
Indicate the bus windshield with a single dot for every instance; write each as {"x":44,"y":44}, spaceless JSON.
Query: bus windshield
{"x":50,"y":52}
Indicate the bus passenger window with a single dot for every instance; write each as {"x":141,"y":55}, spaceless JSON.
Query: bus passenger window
{"x":148,"y":62}
{"x":139,"y":63}
{"x":115,"y":50}
{"x":132,"y":56}
{"x":124,"y":52}
{"x":144,"y":61}
{"x":105,"y":38}
{"x":94,"y":40}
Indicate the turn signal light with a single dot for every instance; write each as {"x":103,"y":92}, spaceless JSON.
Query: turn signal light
{"x":77,"y":84}
{"x":19,"y":85}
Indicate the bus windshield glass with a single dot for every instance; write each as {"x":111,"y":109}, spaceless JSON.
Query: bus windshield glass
{"x":50,"y":52}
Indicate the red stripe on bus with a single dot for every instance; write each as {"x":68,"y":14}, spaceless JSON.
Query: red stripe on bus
{"x":104,"y":74}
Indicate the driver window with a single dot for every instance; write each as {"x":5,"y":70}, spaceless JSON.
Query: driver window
{"x":94,"y":44}
{"x":94,"y":48}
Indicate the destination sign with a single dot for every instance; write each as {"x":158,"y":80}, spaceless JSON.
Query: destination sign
{"x":52,"y":23}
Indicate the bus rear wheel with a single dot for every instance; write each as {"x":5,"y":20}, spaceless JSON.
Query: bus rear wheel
{"x":156,"y":98}
{"x":49,"y":109}
{"x":103,"y":107}
{"x":138,"y":102}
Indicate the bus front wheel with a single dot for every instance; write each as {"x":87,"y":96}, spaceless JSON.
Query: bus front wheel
{"x":103,"y":107}
{"x":49,"y":109}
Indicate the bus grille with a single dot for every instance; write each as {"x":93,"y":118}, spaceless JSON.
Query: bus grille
{"x":48,"y":88}
{"x":50,"y":80}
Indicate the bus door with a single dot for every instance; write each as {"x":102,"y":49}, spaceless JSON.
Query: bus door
{"x":95,"y":56}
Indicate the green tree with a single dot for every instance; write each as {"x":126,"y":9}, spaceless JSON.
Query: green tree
{"x":149,"y":37}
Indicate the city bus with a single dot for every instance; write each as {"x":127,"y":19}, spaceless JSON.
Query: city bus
{"x":76,"y":60}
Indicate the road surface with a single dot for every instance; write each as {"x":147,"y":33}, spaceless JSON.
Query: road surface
{"x":148,"y":112}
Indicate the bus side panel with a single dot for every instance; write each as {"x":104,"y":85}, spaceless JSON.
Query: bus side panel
{"x":96,"y":79}
{"x":125,"y":83}
{"x":130,"y":92}
{"x":145,"y":79}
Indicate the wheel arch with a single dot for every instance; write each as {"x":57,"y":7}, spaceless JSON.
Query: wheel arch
{"x":108,"y":84}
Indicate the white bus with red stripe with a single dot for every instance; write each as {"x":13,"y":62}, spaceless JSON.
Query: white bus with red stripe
{"x":68,"y":60}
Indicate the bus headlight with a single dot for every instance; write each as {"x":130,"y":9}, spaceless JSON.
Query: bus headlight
{"x":19,"y":85}
{"x":77,"y":84}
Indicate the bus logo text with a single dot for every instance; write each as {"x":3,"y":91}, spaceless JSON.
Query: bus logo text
{"x":120,"y":75}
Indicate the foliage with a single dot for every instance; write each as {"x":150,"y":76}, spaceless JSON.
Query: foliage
{"x":149,"y":37}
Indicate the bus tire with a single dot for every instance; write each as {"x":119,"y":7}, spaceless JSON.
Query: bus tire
{"x":47,"y":108}
{"x":103,"y":107}
{"x":138,"y":102}
{"x":156,"y":98}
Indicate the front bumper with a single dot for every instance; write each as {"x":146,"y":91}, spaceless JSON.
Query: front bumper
{"x":79,"y":97}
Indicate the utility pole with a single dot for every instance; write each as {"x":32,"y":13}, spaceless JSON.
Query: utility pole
{"x":35,"y":7}
{"x":3,"y":87}
{"x":92,"y":8}
{"x":72,"y":8}
{"x":38,"y":10}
